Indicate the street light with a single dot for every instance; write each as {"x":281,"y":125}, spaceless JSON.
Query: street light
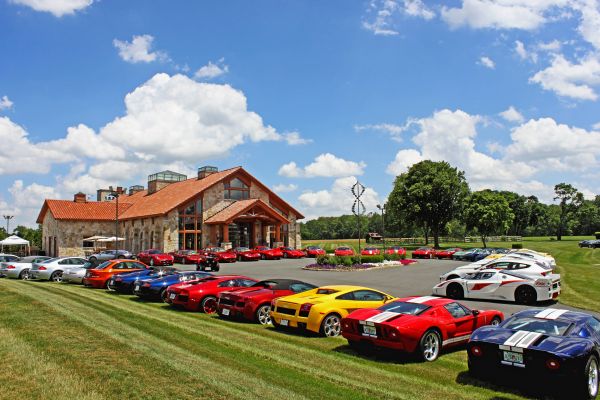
{"x":116,"y":196}
{"x":382,"y":208}
{"x":8,"y":218}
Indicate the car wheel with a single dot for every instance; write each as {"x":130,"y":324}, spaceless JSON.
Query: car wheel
{"x":152,"y":262}
{"x":495,"y":321}
{"x":262,"y":314}
{"x":56,"y":276}
{"x":285,"y":255}
{"x":331,"y":325}
{"x":209,"y":305}
{"x":589,"y":381}
{"x":430,"y":345}
{"x":455,"y":291}
{"x":239,"y":258}
{"x":24,"y":275}
{"x":93,"y":260}
{"x":262,"y":257}
{"x":525,"y":295}
{"x":163,"y":295}
{"x":183,"y":260}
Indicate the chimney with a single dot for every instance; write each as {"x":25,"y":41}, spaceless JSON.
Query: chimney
{"x":205,"y":171}
{"x":80,"y":198}
{"x":120,"y":190}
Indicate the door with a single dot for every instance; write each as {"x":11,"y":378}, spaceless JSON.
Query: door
{"x":358,"y":299}
{"x":462,"y":319}
{"x":483,"y":285}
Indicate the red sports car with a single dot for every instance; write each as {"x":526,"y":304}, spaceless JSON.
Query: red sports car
{"x":201,"y":295}
{"x":266,"y":253}
{"x":289,"y":252}
{"x":254,"y":303}
{"x":222,"y":255}
{"x":155,"y":257}
{"x":401,"y":251}
{"x":424,"y":325}
{"x":446,"y":253}
{"x":314,"y":251}
{"x":246,"y":254}
{"x":344,"y":251}
{"x":187,"y":257}
{"x":370,"y":251}
{"x":423,"y":252}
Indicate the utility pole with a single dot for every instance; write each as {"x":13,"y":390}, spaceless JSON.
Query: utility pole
{"x":8,"y":218}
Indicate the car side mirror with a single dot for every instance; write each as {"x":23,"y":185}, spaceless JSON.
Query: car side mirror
{"x":476,"y":313}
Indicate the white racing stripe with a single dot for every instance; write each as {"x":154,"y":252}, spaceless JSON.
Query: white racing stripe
{"x":545,"y":313}
{"x":529,"y":339}
{"x":384,"y":316}
{"x":556,"y":314}
{"x":515,"y":338}
{"x":421,"y":300}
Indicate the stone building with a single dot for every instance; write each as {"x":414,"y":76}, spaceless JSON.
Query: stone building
{"x":230,"y":208}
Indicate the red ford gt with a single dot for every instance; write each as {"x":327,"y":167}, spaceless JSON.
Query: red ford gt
{"x":254,"y":303}
{"x":245,"y":254}
{"x":423,"y":252}
{"x":266,"y":253}
{"x":446,"y":253}
{"x":154,"y":257}
{"x":289,"y":252}
{"x":424,"y":325}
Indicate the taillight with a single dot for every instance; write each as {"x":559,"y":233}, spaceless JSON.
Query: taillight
{"x":184,"y":293}
{"x":476,"y":351}
{"x":544,"y":273}
{"x":10,"y":267}
{"x":553,"y":364}
{"x":118,"y":279}
{"x":42,"y":268}
{"x":147,"y":284}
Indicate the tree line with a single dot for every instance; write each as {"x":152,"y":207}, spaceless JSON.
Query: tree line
{"x":433,"y":199}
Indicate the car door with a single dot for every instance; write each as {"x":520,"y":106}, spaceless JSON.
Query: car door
{"x":462,"y":323}
{"x":483,"y":285}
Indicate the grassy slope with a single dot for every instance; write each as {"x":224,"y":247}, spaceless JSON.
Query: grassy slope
{"x":579,"y":268}
{"x":64,"y":342}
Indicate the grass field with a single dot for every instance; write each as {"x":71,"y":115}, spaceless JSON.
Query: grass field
{"x":579,"y":268}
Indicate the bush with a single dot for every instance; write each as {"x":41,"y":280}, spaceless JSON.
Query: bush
{"x":517,"y":245}
{"x":370,"y":259}
{"x":597,"y":234}
{"x":323,"y":259}
{"x":394,"y":257}
{"x":346,"y":261}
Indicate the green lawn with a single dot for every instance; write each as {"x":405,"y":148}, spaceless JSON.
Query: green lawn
{"x":60,"y":341}
{"x":579,"y":268}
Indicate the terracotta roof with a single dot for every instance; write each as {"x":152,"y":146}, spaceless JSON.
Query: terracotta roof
{"x":239,"y":207}
{"x":172,"y":196}
{"x":88,"y":211}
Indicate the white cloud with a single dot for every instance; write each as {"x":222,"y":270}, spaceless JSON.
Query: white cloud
{"x":416,"y":8}
{"x":5,"y":103}
{"x":211,"y":71}
{"x":27,"y":201}
{"x":512,"y":115}
{"x":294,"y":139}
{"x":82,"y":141}
{"x":552,"y":46}
{"x":487,"y":62}
{"x":520,"y":49}
{"x":283,"y":188}
{"x":394,"y":131}
{"x":337,"y":200}
{"x":56,"y":7}
{"x":325,"y":165}
{"x":571,"y":80}
{"x":385,"y":11}
{"x":596,"y":126}
{"x":403,"y":161}
{"x":138,"y":50}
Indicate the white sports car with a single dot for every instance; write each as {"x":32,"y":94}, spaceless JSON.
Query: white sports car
{"x":544,"y":258}
{"x":521,"y":265}
{"x":505,"y":285}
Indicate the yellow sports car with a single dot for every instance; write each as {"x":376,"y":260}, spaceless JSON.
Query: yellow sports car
{"x":321,"y":310}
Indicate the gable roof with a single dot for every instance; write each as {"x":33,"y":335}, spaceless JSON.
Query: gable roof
{"x":227,"y":215}
{"x":88,"y":211}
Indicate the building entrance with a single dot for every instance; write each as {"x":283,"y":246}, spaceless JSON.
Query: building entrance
{"x":240,"y":234}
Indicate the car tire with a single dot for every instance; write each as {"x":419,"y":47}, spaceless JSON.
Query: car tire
{"x":56,"y":276}
{"x":430,"y":345}
{"x":93,"y":260}
{"x":239,"y":258}
{"x":262,"y":257}
{"x":183,"y":260}
{"x":24,"y":275}
{"x":152,"y":262}
{"x":285,"y":255}
{"x":525,"y":295}
{"x":163,"y":295}
{"x":331,"y":325}
{"x":209,"y":305}
{"x":495,"y":321}
{"x":262,"y":314}
{"x":588,"y":383}
{"x":455,"y":291}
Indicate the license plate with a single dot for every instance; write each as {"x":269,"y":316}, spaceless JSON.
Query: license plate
{"x":225,"y":311}
{"x":509,"y":356}
{"x":137,"y":287}
{"x":369,"y":330}
{"x":172,"y":296}
{"x":284,"y":322}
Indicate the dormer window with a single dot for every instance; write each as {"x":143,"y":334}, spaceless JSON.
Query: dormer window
{"x":236,"y":189}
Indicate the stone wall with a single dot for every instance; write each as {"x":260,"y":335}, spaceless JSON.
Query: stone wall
{"x":257,"y":193}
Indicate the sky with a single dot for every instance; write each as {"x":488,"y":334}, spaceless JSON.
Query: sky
{"x":307,"y":96}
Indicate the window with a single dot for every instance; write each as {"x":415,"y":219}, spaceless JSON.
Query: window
{"x":190,"y":225}
{"x":300,"y":287}
{"x":236,"y":189}
{"x":244,"y":282}
{"x":595,"y":325}
{"x":368,"y":295}
{"x":227,"y":283}
{"x":456,"y":310}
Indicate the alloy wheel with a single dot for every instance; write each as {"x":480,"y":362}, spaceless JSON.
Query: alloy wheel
{"x":593,"y":379}
{"x":332,"y":326}
{"x":431,"y":347}
{"x":263,"y":315}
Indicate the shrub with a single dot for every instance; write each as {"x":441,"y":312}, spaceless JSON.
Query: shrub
{"x":370,"y":259}
{"x":597,"y":234}
{"x":323,"y":259}
{"x":517,"y":245}
{"x":346,"y":261}
{"x":394,"y":257}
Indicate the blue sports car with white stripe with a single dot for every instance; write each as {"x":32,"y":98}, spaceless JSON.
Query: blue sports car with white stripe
{"x":557,"y":346}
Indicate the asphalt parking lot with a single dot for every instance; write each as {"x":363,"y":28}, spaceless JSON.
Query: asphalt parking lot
{"x":409,"y":280}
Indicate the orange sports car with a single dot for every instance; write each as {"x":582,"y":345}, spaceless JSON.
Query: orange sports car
{"x":97,"y":277}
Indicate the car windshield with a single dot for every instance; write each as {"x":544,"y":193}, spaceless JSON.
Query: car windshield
{"x":153,"y":251}
{"x":104,"y":265}
{"x":88,"y":265}
{"x":288,"y":248}
{"x":370,"y":248}
{"x":262,"y":248}
{"x":343,"y":248}
{"x":313,"y":248}
{"x":49,"y":261}
{"x":242,"y":249}
{"x":218,"y":250}
{"x":546,"y":326}
{"x":404,"y":308}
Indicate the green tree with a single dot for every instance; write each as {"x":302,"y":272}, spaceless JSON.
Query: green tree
{"x":430,"y":194}
{"x":587,"y":218}
{"x":33,"y":235}
{"x":570,"y":201}
{"x":488,"y":212}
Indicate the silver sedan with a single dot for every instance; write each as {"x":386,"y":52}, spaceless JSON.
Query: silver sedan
{"x":53,"y":269}
{"x":19,"y":269}
{"x":76,"y":275}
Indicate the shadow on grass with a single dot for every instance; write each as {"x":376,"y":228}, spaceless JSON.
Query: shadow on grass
{"x":384,"y":355}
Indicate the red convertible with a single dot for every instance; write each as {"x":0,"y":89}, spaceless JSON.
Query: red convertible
{"x":201,"y":295}
{"x":446,"y":253}
{"x":401,"y":251}
{"x":344,"y":251}
{"x":314,"y":251}
{"x":289,"y":252}
{"x":424,"y":325}
{"x":266,"y":253}
{"x":222,"y":255}
{"x":154,"y":257}
{"x":423,"y":252}
{"x":254,"y":303}
{"x":370,"y":251}
{"x":245,"y":254}
{"x":187,"y":257}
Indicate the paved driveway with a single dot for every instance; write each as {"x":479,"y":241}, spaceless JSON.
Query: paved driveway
{"x":410,"y":280}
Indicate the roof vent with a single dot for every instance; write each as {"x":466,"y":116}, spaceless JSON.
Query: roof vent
{"x":205,"y":171}
{"x":80,"y":198}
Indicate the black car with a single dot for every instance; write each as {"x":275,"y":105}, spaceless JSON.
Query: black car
{"x":106,"y":255}
{"x":208,"y":263}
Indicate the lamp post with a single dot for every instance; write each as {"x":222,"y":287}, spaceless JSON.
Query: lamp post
{"x":116,"y":195}
{"x":382,"y":208}
{"x":8,"y":218}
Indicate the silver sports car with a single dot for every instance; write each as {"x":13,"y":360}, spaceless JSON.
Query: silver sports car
{"x":53,"y":269}
{"x":19,"y":268}
{"x":76,"y":274}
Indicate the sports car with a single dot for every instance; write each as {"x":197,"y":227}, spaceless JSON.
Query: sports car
{"x":76,"y":275}
{"x":477,"y":255}
{"x":154,"y":257}
{"x":344,"y":251}
{"x":552,"y":346}
{"x":201,"y":295}
{"x":370,"y":251}
{"x":110,"y":255}
{"x":254,"y":303}
{"x":267,"y":253}
{"x":463,"y":254}
{"x":424,"y":325}
{"x":124,"y":283}
{"x":19,"y":267}
{"x":401,"y":251}
{"x":99,"y":276}
{"x":321,"y":310}
{"x":539,"y":257}
{"x":156,"y":288}
{"x":53,"y":268}
{"x":245,"y":254}
{"x":423,"y":252}
{"x":221,"y":255}
{"x":446,"y":253}
{"x":289,"y":252}
{"x":186,"y":256}
{"x":520,"y":265}
{"x":314,"y":251}
{"x":501,"y":285}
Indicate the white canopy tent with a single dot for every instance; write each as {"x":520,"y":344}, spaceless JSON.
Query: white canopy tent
{"x":15,"y":241}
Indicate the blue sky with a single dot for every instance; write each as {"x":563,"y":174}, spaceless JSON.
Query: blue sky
{"x":307,"y":96}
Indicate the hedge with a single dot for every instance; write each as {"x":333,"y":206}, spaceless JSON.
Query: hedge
{"x":517,"y":245}
{"x":352,"y":260}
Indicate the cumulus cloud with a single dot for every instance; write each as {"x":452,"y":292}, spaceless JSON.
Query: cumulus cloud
{"x":27,"y":201}
{"x":84,"y":142}
{"x":211,"y":71}
{"x":283,"y":188}
{"x":403,"y":161}
{"x":384,"y":12}
{"x":138,"y":50}
{"x":294,"y":139}
{"x":58,"y":8}
{"x":596,"y":126}
{"x":324,"y":165}
{"x":487,"y":62}
{"x":511,"y":114}
{"x":5,"y":103}
{"x":566,"y":79}
{"x":395,"y":131}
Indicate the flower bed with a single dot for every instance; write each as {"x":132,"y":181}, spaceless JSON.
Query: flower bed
{"x":357,"y":267}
